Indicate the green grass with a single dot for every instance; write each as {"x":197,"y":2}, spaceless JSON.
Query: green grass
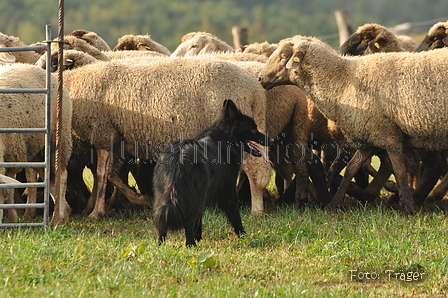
{"x":286,"y":253}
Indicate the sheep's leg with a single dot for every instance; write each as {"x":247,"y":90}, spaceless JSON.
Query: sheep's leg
{"x":62,"y":210}
{"x":31,"y":177}
{"x":380,"y":178}
{"x":92,"y":199}
{"x":431,"y":162}
{"x":133,"y":196}
{"x":440,"y":190}
{"x":258,"y":173}
{"x":317,"y":175}
{"x":406,"y":202}
{"x":103,"y":168}
{"x":12,"y":213}
{"x":9,"y":199}
{"x":358,"y":159}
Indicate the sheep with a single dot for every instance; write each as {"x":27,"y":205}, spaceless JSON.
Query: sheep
{"x":294,"y":114}
{"x":71,"y":43}
{"x":28,"y":110}
{"x":198,"y":43}
{"x":140,"y":43}
{"x":435,"y":38}
{"x":365,"y":96}
{"x":92,"y":38}
{"x":262,"y":49}
{"x":6,"y":41}
{"x":75,"y":43}
{"x":370,"y":39}
{"x":155,"y":103}
{"x":74,"y":59}
{"x":407,"y":42}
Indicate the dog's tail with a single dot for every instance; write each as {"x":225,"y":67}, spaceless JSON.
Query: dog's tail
{"x":168,"y":217}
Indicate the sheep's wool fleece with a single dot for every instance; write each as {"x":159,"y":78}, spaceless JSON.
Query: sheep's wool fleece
{"x":28,"y":111}
{"x":153,"y":103}
{"x":381,"y":100}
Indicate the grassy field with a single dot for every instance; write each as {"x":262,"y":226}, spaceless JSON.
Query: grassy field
{"x":359,"y":251}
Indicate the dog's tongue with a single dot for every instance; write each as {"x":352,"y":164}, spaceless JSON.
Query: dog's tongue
{"x":260,"y":150}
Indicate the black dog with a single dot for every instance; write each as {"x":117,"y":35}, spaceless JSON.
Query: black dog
{"x":194,"y":173}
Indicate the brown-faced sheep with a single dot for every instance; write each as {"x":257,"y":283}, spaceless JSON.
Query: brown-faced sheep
{"x":364,"y":100}
{"x":92,"y":38}
{"x":198,"y":43}
{"x":174,"y":98}
{"x":437,"y":37}
{"x":71,"y":43}
{"x":6,"y":41}
{"x":370,"y":39}
{"x":140,"y":43}
{"x":25,"y":110}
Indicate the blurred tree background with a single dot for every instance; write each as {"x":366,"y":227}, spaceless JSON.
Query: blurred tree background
{"x":168,"y":21}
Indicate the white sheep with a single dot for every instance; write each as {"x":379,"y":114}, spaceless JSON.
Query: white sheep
{"x":157,"y":102}
{"x":28,"y":111}
{"x":263,"y":49}
{"x":387,"y":100}
{"x":29,"y":57}
{"x":408,"y":43}
{"x":423,"y":168}
{"x":198,"y":43}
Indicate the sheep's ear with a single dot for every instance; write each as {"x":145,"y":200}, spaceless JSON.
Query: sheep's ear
{"x":445,"y":40}
{"x":142,"y":47}
{"x":295,"y":60}
{"x":209,"y":48}
{"x":7,"y":57}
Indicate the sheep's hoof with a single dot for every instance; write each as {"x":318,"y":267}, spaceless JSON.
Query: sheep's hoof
{"x":330,"y":207}
{"x":29,"y":213}
{"x":407,"y":207}
{"x":95,"y":215}
{"x":58,"y":219}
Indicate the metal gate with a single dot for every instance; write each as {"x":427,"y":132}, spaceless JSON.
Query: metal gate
{"x":46,"y":130}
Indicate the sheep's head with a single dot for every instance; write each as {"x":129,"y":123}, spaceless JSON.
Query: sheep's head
{"x":370,"y":39}
{"x":140,"y":43}
{"x":263,"y":49}
{"x":42,"y":62}
{"x":275,"y":72}
{"x":92,"y":38}
{"x":437,"y":37}
{"x":72,"y":59}
{"x":134,"y":43}
{"x":6,"y":56}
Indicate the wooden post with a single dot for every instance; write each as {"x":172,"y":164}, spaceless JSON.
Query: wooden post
{"x":239,"y":37}
{"x":344,"y":27}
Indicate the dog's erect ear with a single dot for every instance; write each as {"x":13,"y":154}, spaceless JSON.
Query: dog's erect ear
{"x":229,"y":109}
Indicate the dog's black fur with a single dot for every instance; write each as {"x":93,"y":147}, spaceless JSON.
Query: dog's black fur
{"x":194,"y":173}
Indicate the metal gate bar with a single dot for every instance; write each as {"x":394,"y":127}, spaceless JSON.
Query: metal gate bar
{"x":46,"y":164}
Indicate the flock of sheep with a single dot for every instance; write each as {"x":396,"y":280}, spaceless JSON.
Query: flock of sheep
{"x":327,"y":110}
